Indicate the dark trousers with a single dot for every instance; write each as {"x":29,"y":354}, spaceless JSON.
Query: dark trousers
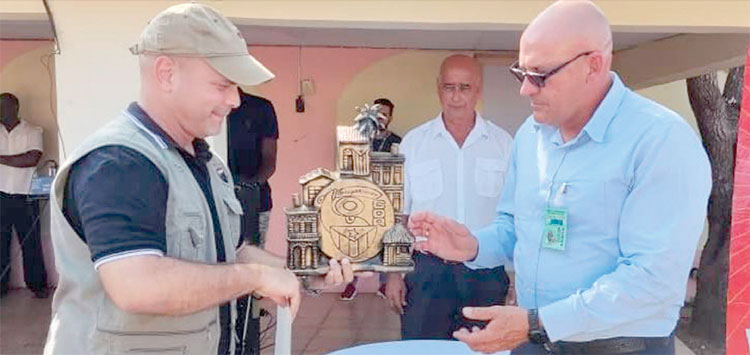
{"x":436,"y":293}
{"x":249,"y":341}
{"x":250,"y":200}
{"x":19,"y":213}
{"x":654,"y":346}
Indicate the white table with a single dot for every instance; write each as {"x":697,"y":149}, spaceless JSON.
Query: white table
{"x":447,"y":347}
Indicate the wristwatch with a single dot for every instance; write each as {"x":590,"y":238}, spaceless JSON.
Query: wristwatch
{"x":537,"y":334}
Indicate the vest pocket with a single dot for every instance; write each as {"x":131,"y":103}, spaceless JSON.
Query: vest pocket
{"x":173,"y":350}
{"x":193,"y":237}
{"x":234,"y":209}
{"x":198,"y":341}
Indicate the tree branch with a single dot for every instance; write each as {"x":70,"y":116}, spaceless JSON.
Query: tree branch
{"x":733,"y":92}
{"x":709,"y":109}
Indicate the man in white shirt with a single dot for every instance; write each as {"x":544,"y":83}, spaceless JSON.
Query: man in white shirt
{"x":455,"y":165}
{"x":20,"y":151}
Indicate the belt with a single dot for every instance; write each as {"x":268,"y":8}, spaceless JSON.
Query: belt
{"x":14,"y":196}
{"x":621,"y":345}
{"x":248,"y":185}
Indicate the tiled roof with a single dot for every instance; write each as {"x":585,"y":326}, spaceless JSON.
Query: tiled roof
{"x":304,"y":179}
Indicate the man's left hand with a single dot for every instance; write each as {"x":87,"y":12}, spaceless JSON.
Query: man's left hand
{"x":508,"y":328}
{"x":340,"y":273}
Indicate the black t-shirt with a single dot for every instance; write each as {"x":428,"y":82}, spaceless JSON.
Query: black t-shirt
{"x":248,"y":125}
{"x":116,"y":200}
{"x":384,"y":145}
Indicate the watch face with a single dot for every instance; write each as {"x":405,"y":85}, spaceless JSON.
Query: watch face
{"x":536,"y":336}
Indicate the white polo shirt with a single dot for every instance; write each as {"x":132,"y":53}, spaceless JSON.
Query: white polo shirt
{"x":461,"y":183}
{"x":23,"y":138}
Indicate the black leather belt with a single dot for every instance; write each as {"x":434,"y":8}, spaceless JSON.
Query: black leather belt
{"x":622,"y":345}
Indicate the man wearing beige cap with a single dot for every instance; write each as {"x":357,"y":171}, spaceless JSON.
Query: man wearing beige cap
{"x":145,"y":220}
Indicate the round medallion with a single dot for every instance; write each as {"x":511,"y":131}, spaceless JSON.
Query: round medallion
{"x":354,"y":214}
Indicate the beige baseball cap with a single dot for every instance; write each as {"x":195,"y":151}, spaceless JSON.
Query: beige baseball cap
{"x":197,"y":30}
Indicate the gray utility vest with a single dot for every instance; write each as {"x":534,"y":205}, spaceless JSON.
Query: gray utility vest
{"x":84,"y":319}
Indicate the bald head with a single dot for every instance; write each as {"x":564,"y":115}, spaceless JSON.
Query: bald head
{"x":460,"y":62}
{"x":459,"y":88}
{"x":571,"y":27}
{"x":570,"y":45}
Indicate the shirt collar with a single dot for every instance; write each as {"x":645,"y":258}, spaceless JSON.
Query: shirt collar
{"x":438,"y":127}
{"x":21,"y":124}
{"x":164,"y":140}
{"x":596,"y":127}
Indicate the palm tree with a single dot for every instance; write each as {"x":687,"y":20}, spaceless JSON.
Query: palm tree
{"x":368,"y":120}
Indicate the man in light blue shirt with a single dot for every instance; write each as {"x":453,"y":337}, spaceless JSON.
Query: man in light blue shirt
{"x":604,"y":202}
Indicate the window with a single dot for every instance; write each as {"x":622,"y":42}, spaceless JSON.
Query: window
{"x":376,"y":174}
{"x":396,"y":200}
{"x":348,"y":160}
{"x":386,"y":176}
{"x":313,"y":192}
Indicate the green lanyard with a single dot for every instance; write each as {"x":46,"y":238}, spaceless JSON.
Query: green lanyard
{"x":555,"y":229}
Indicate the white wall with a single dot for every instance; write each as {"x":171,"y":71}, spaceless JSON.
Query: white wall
{"x":96,"y":74}
{"x":502,"y":103}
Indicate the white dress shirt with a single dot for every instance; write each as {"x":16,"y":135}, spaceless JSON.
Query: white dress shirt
{"x":463,"y":183}
{"x":23,"y":138}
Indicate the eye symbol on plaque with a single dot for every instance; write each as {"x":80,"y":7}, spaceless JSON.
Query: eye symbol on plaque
{"x":348,"y":207}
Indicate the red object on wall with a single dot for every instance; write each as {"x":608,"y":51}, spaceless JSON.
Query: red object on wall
{"x":738,"y":292}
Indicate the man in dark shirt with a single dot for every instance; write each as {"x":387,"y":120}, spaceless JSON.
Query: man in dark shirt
{"x":384,"y":138}
{"x":383,"y":141}
{"x":156,"y":213}
{"x":253,"y":131}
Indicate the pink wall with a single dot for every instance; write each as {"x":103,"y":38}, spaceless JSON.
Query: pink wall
{"x":306,"y":140}
{"x":9,"y":50}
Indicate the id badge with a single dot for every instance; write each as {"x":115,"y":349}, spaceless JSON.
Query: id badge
{"x":555,"y":228}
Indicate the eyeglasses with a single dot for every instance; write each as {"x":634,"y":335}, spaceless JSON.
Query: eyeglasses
{"x":459,"y":88}
{"x":538,"y":79}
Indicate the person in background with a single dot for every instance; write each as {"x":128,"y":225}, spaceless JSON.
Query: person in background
{"x":253,"y":133}
{"x":20,"y":151}
{"x":455,"y":166}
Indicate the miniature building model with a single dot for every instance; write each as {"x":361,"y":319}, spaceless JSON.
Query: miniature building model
{"x":314,"y":182}
{"x":353,"y":152}
{"x":354,"y":213}
{"x":397,"y":246}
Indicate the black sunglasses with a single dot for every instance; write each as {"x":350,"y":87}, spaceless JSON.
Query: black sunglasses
{"x":538,"y":79}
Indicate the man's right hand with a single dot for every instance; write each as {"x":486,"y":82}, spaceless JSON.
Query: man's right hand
{"x":445,"y":238}
{"x":395,"y":292}
{"x":279,"y":285}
